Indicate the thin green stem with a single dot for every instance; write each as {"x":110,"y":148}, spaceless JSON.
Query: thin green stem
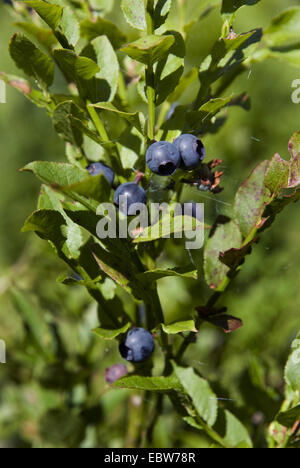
{"x":99,"y":125}
{"x":97,"y":122}
{"x":122,"y":90}
{"x":149,"y":7}
{"x":214,"y":435}
{"x":150,"y":78}
{"x":154,"y":417}
{"x":151,"y":101}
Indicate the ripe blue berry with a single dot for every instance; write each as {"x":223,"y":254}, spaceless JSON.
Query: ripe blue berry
{"x":138,"y":346}
{"x":97,"y":168}
{"x":191,"y":151}
{"x":115,"y":372}
{"x":163,"y":158}
{"x":131,"y":193}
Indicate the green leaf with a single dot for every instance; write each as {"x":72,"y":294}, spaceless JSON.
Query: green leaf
{"x":277,"y":205}
{"x":209,"y":109}
{"x":215,"y":105}
{"x":136,"y":118}
{"x":44,"y":36}
{"x":109,"y":67}
{"x":101,"y":27}
{"x":74,"y":124}
{"x":161,"y":11}
{"x":47,"y":224}
{"x":24,"y":87}
{"x":108,"y":288}
{"x":224,"y":236}
{"x":35,"y":321}
{"x":277,"y":174}
{"x":179,"y":327}
{"x":294,"y":149}
{"x":149,"y":49}
{"x":169,"y":71}
{"x":50,"y":13}
{"x":226,"y":57}
{"x":70,"y":179}
{"x":294,"y":144}
{"x":52,"y":225}
{"x":290,"y":417}
{"x":63,"y":124}
{"x":236,"y":434}
{"x":51,"y":200}
{"x":198,"y":389}
{"x":111,"y":334}
{"x":251,"y":199}
{"x":69,"y":26}
{"x":131,"y":145}
{"x":284,"y":29}
{"x":153,"y":384}
{"x":294,"y":179}
{"x":292,"y":369}
{"x":191,"y":422}
{"x":118,"y":265}
{"x":231,"y":6}
{"x":75,"y":67}
{"x":31,"y":60}
{"x":134,"y":12}
{"x":167,"y":225}
{"x":154,"y":275}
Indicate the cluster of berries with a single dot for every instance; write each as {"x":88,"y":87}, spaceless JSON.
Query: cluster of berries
{"x":186,"y":152}
{"x":163,"y":158}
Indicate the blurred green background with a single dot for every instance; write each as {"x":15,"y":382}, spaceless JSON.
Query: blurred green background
{"x":65,"y":403}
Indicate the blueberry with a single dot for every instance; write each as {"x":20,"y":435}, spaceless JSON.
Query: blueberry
{"x":163,"y":158}
{"x":132,"y":194}
{"x":138,"y":346}
{"x":193,"y":209}
{"x":191,"y":150}
{"x":115,"y":372}
{"x":97,"y":168}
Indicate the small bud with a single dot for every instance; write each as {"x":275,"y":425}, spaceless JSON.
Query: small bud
{"x":115,"y":372}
